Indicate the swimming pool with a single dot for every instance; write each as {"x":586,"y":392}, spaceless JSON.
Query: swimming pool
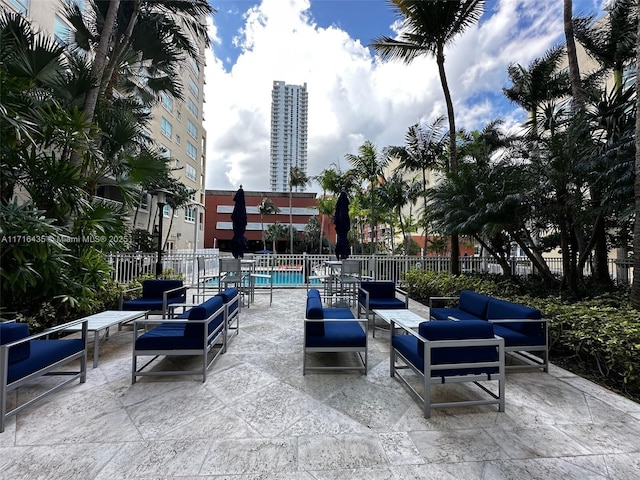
{"x":281,"y":278}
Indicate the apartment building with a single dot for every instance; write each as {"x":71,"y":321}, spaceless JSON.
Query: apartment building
{"x":289,"y":119}
{"x":177,"y":126}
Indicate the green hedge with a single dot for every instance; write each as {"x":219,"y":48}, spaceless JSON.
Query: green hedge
{"x":598,"y":336}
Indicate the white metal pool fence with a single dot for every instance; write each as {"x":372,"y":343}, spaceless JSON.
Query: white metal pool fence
{"x":129,"y":266}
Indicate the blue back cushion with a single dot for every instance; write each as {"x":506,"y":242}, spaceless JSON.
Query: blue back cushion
{"x":314,"y":311}
{"x":10,"y":332}
{"x":228,"y":295}
{"x":460,"y":330}
{"x":155,"y":288}
{"x":501,"y":309}
{"x":379,"y":289}
{"x":474,"y":303}
{"x":202,"y":312}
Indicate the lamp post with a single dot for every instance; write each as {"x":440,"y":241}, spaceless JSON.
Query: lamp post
{"x":161,"y":199}
{"x":197,"y":206}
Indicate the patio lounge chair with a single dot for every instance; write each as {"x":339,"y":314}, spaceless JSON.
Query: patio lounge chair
{"x":333,"y":330}
{"x":24,"y":358}
{"x":378,"y":295}
{"x":157,"y":295}
{"x":450,"y":352}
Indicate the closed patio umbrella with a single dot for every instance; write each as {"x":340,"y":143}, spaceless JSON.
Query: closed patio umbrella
{"x":239,"y":219}
{"x":343,"y":224}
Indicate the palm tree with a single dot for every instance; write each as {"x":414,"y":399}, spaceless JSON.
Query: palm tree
{"x":540,"y":83}
{"x":369,"y":166}
{"x":275,"y":232}
{"x":331,"y":180}
{"x":396,"y":193}
{"x":424,"y":150}
{"x":297,"y":179}
{"x":428,"y":27}
{"x":266,"y":207}
{"x":612,"y":40}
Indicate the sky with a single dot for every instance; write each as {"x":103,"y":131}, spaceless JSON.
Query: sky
{"x":353,"y":95}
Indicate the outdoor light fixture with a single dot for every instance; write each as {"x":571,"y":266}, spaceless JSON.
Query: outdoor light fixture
{"x":162,"y":196}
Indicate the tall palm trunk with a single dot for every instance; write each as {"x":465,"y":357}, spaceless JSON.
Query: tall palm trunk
{"x":100,"y":60}
{"x":453,"y":154}
{"x":635,"y":287}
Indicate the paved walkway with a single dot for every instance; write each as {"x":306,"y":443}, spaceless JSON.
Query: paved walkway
{"x":257,"y":417}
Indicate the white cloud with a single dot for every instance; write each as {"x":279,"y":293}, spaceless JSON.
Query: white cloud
{"x":353,"y":97}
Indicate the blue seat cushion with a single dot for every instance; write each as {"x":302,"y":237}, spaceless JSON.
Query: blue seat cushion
{"x":501,"y":309}
{"x":44,"y":353}
{"x":386,"y":303}
{"x":474,"y":303}
{"x":203,"y":312}
{"x":143,"y":303}
{"x":339,"y":334}
{"x":11,"y":332}
{"x":168,"y":336}
{"x":445,"y":313}
{"x":513,"y":338}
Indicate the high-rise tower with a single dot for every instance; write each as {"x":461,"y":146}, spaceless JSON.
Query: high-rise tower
{"x":289,"y":105}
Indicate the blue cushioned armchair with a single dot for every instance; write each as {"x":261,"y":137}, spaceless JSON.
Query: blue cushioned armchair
{"x":450,"y":352}
{"x":378,"y":295}
{"x":25,"y":358}
{"x":200,"y":331}
{"x":333,"y":330}
{"x":156,"y":296}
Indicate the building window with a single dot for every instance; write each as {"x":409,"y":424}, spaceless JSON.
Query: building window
{"x":192,"y":129}
{"x":144,"y":201}
{"x":193,"y":88}
{"x":167,"y":128}
{"x":194,"y":67}
{"x":192,"y":107}
{"x":190,"y":172}
{"x":61,"y":31}
{"x":167,"y":102}
{"x":21,"y":6}
{"x":178,"y":139}
{"x":192,"y":151}
{"x":165,"y":211}
{"x":190,"y":214}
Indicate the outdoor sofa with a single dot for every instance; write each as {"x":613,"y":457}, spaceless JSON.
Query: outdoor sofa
{"x":25,"y":358}
{"x":202,"y":331}
{"x":449,"y":352}
{"x":523,"y":328}
{"x":333,"y":330}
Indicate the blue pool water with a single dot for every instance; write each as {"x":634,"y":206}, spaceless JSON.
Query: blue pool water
{"x":281,"y":278}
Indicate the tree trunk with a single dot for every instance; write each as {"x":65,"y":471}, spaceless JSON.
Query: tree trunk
{"x":635,"y":286}
{"x":100,"y":60}
{"x":290,"y":221}
{"x":453,"y":155}
{"x":572,"y":57}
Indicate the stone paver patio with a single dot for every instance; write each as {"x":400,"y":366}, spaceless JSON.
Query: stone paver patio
{"x":258,"y":417}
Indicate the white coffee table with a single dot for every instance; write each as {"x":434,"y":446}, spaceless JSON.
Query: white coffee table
{"x":403,"y":317}
{"x":103,"y":321}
